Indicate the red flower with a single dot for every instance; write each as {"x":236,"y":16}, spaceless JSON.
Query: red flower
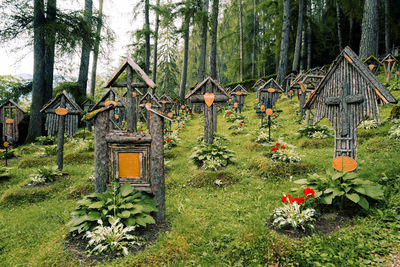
{"x":283,"y":147}
{"x":277,"y":144}
{"x":241,"y":124}
{"x":274,"y":149}
{"x":273,"y":115}
{"x":291,"y":200}
{"x":300,"y":200}
{"x":284,"y":199}
{"x":168,"y":140}
{"x":308,"y":192}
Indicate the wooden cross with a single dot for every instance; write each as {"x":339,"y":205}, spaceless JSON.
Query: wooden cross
{"x":343,"y":102}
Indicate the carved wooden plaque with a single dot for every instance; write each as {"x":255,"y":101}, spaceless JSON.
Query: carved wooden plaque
{"x":110,"y":102}
{"x":344,"y":163}
{"x":209,"y":99}
{"x":61,"y":111}
{"x":129,"y":165}
{"x":9,"y":121}
{"x":269,"y":111}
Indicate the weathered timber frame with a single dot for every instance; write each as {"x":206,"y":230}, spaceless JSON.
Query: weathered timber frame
{"x":11,"y":115}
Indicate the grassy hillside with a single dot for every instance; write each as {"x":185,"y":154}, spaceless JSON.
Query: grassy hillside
{"x":216,"y":218}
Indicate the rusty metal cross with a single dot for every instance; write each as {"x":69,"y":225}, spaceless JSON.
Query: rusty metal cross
{"x":343,"y":103}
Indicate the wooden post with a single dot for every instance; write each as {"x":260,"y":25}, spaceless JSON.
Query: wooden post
{"x":209,"y":113}
{"x":130,"y":114}
{"x":157,"y":164}
{"x":60,"y":139}
{"x":101,"y":161}
{"x":111,"y":112}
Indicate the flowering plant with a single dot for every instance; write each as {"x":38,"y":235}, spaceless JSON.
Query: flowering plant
{"x":171,"y":141}
{"x":394,"y":132}
{"x":310,"y":130}
{"x":44,"y":175}
{"x":369,"y":124}
{"x":237,"y":126}
{"x":233,"y":117}
{"x":281,"y":153}
{"x":294,"y":213}
{"x":262,"y":136}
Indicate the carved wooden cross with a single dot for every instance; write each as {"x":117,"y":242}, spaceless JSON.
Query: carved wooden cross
{"x":343,"y":102}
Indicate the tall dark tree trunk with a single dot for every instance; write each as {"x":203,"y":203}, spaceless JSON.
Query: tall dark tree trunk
{"x":254,"y":47}
{"x":351,"y":28}
{"x":186,"y":25}
{"x":303,"y":49}
{"x":309,"y":35}
{"x":241,"y":48}
{"x":283,"y":58}
{"x":387,"y":26}
{"x":339,"y":24}
{"x":50,"y":41}
{"x":36,"y":119}
{"x":85,"y":55}
{"x":369,"y":29}
{"x":203,"y":43}
{"x":147,"y":35}
{"x":96,"y":49}
{"x":154,"y":76}
{"x":295,"y":66}
{"x":213,"y":37}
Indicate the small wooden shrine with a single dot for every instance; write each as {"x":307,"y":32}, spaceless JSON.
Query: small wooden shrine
{"x":62,"y":115}
{"x":269,"y":93}
{"x":373,"y":63}
{"x":11,"y":115}
{"x":346,"y":95}
{"x":389,"y":62}
{"x":166,"y":103}
{"x":288,"y":81}
{"x":306,"y":85}
{"x":210,"y":93}
{"x":257,"y":86}
{"x":238,"y":95}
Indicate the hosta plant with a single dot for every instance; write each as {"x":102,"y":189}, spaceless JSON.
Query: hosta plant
{"x":80,"y":145}
{"x":308,"y":131}
{"x":131,"y":206}
{"x":284,"y":153}
{"x":233,"y":117}
{"x":46,"y":140}
{"x":262,"y":136}
{"x":338,"y":187}
{"x":369,"y":124}
{"x":394,"y":132}
{"x":115,"y":237}
{"x":237,"y":126}
{"x":295,"y":212}
{"x":44,"y":175}
{"x":212,"y":156}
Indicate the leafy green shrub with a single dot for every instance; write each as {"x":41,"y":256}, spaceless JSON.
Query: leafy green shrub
{"x":44,"y":175}
{"x":394,"y":132}
{"x":80,"y":145}
{"x":261,"y":136}
{"x":46,"y":140}
{"x":212,"y":156}
{"x":284,"y":153}
{"x":233,"y":117}
{"x":131,"y":206}
{"x":50,"y":150}
{"x":338,"y":187}
{"x":115,"y":237}
{"x":279,"y":170}
{"x":315,"y":131}
{"x":369,"y":124}
{"x":170,"y":141}
{"x":237,"y":126}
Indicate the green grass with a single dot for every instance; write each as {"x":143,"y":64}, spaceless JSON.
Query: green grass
{"x":212,"y":225}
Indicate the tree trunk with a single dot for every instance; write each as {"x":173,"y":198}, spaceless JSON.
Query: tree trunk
{"x":387,"y":26}
{"x":295,"y":66}
{"x":309,"y":41}
{"x":35,"y":120}
{"x":369,"y":29}
{"x":154,"y":76}
{"x":303,"y":49}
{"x":186,"y":25}
{"x":147,"y":35}
{"x":96,"y":49}
{"x":339,"y":25}
{"x":85,"y":56}
{"x":213,"y":37}
{"x":255,"y":31}
{"x":351,"y":27}
{"x":203,"y":43}
{"x":241,"y":51}
{"x":283,"y":58}
{"x":50,"y":41}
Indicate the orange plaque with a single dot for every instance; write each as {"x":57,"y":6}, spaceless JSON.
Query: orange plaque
{"x":209,"y":99}
{"x":178,"y":118}
{"x":397,"y":72}
{"x":235,"y":105}
{"x":344,"y":163}
{"x":371,"y":67}
{"x":183,"y":107}
{"x":230,"y":100}
{"x":262,"y":108}
{"x":268,"y":111}
{"x":110,"y":102}
{"x":170,"y":114}
{"x":348,"y":58}
{"x":129,"y":165}
{"x":238,"y":93}
{"x":291,"y":93}
{"x":148,"y":105}
{"x":163,"y":101}
{"x":9,"y":121}
{"x":389,"y":60}
{"x":5,"y":144}
{"x":61,"y":111}
{"x":270,"y":90}
{"x":116,"y":116}
{"x":134,"y":94}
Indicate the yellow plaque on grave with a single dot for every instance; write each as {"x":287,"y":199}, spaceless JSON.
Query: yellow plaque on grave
{"x":129,"y":165}
{"x":344,"y":163}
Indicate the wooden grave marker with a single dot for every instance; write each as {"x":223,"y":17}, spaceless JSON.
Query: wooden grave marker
{"x":62,"y":115}
{"x":11,"y":115}
{"x":148,"y":100}
{"x":269,"y":93}
{"x":257,"y":86}
{"x":372,"y":63}
{"x":389,"y":62}
{"x":346,"y":95}
{"x":238,"y":95}
{"x":210,"y":93}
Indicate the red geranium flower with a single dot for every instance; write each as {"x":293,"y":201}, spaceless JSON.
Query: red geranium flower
{"x":283,"y":147}
{"x":274,"y":149}
{"x":290,"y":198}
{"x":300,"y":200}
{"x":277,"y":144}
{"x":308,"y":192}
{"x":168,"y":140}
{"x":273,"y":115}
{"x":241,"y":124}
{"x":284,"y":199}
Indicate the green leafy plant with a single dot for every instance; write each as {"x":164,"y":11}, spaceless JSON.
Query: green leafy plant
{"x":131,"y":206}
{"x":46,"y":140}
{"x":338,"y":187}
{"x":115,"y":237}
{"x":44,"y":175}
{"x":394,"y":132}
{"x":80,"y":145}
{"x":284,"y":153}
{"x":212,"y":156}
{"x":170,"y":141}
{"x":231,"y":116}
{"x":369,"y":124}
{"x":237,"y":126}
{"x":310,"y":131}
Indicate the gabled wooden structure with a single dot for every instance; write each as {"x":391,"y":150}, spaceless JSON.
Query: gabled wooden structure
{"x":257,"y":85}
{"x":11,"y":115}
{"x":209,"y":92}
{"x":269,"y":93}
{"x":346,"y":95}
{"x":149,"y":98}
{"x":373,"y":63}
{"x":71,"y":118}
{"x":389,"y":62}
{"x":238,"y":95}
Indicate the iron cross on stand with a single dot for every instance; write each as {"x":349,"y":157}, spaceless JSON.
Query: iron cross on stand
{"x":346,"y":95}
